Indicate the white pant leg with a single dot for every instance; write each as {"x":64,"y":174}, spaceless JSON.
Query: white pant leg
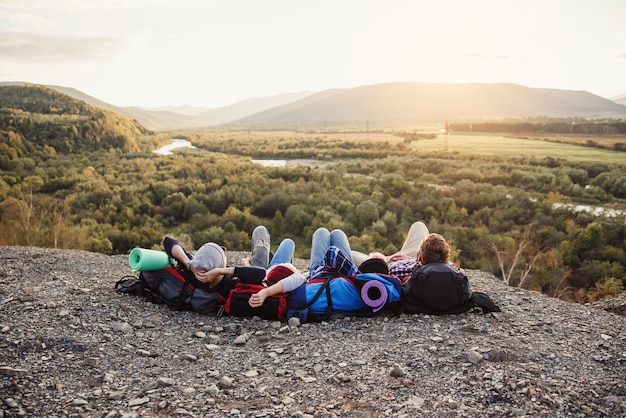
{"x":417,"y":233}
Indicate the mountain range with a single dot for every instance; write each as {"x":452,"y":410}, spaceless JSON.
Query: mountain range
{"x":395,"y":103}
{"x":387,"y":104}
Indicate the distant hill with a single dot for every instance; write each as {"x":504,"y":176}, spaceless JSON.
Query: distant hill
{"x":250,"y":106}
{"x":187,"y":117}
{"x":172,"y":117}
{"x":620,"y":100}
{"x":400,"y":102}
{"x":35,"y":118}
{"x":181,"y":110}
{"x":151,"y":119}
{"x":224,"y":114}
{"x":387,"y":104}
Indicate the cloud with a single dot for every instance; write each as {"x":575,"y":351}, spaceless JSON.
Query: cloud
{"x":21,"y":18}
{"x":27,"y":47}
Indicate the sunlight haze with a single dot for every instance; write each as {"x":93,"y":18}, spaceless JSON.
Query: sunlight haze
{"x":215,"y":53}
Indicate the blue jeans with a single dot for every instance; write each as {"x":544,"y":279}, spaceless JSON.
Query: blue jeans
{"x":322,"y":240}
{"x":284,"y":252}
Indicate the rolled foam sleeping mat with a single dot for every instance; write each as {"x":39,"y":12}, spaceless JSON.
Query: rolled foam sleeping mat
{"x":374,"y":294}
{"x":142,"y":259}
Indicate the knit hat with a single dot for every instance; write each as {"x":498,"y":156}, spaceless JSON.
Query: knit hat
{"x":278,"y":272}
{"x":374,"y":265}
{"x":208,"y":257}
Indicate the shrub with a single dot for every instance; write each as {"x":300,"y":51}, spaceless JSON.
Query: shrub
{"x":605,"y":288}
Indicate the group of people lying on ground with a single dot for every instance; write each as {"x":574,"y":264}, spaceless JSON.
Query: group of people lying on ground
{"x":417,"y":279}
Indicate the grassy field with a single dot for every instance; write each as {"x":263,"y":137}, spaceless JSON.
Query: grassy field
{"x":516,"y":147}
{"x":558,"y":146}
{"x":606,"y":141}
{"x":344,"y":136}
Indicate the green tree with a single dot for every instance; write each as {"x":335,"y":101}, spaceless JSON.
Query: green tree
{"x":367,"y":212}
{"x":605,"y":288}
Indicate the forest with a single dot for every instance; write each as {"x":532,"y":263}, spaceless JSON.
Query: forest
{"x":544,"y":125}
{"x":39,"y":120}
{"x":499,"y":215}
{"x":508,"y":216}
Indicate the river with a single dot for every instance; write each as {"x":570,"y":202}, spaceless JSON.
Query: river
{"x":183,"y":143}
{"x":176,"y":143}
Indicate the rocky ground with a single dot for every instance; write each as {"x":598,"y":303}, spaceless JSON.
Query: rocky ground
{"x":70,"y":346}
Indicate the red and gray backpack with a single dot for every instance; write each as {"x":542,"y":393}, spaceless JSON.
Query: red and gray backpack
{"x":175,"y":287}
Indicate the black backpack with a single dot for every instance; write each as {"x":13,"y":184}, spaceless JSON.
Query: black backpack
{"x":175,"y":287}
{"x":436,"y":289}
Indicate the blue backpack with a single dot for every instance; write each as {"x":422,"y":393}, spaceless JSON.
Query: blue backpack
{"x":330,"y":293}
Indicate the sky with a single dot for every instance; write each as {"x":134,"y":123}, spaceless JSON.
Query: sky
{"x":214,"y":53}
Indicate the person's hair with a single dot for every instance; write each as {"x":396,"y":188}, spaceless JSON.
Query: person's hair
{"x":434,"y":249}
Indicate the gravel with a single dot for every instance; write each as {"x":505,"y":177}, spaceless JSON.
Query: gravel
{"x":70,"y":346}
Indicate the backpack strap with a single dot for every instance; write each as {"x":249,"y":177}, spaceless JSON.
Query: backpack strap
{"x":329,"y":299}
{"x":483,"y":301}
{"x":303,"y":312}
{"x":132,"y":285}
{"x":323,"y":287}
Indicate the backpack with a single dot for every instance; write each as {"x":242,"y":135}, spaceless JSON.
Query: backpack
{"x":439,"y":289}
{"x":436,"y":289}
{"x":274,"y":307}
{"x":329,"y":293}
{"x":177,"y":288}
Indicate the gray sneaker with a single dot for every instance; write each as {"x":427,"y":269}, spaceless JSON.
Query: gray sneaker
{"x":260,"y":247}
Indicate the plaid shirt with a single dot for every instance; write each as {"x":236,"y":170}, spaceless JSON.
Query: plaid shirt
{"x":335,"y":261}
{"x":402,"y":268}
